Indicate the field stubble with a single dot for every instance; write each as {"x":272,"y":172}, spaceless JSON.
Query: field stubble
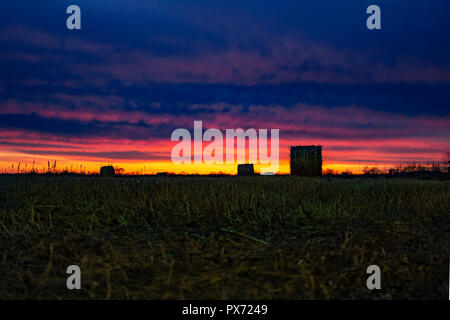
{"x":223,"y":238}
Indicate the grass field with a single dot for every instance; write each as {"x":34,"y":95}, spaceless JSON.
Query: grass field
{"x":223,"y":238}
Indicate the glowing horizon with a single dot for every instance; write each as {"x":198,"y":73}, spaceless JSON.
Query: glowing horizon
{"x":91,"y":96}
{"x":345,"y":158}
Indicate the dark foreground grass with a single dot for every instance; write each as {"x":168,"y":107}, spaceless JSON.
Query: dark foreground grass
{"x":221,"y":238}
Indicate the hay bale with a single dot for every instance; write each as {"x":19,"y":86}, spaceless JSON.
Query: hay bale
{"x":306,"y":161}
{"x":246,"y":170}
{"x":107,"y":171}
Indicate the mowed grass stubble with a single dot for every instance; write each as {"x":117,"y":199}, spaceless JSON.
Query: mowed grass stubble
{"x":223,"y":238}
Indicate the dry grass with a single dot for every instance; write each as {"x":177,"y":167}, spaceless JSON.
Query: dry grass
{"x":223,"y":238}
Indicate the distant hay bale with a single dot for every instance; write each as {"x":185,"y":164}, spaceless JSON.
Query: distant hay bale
{"x":306,"y":161}
{"x":107,"y":171}
{"x":246,"y":170}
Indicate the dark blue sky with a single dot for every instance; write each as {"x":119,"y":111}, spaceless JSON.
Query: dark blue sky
{"x":307,"y":42}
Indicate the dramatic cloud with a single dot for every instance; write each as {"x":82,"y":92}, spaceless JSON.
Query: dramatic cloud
{"x":114,"y":91}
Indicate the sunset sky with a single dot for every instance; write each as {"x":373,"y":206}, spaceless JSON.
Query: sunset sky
{"x":114,"y":91}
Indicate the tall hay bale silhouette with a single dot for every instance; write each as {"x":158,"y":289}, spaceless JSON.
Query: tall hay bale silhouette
{"x":306,"y":161}
{"x":107,"y":171}
{"x":246,"y":170}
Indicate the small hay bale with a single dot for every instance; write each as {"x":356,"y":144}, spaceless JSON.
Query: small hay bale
{"x":246,"y":170}
{"x":107,"y":171}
